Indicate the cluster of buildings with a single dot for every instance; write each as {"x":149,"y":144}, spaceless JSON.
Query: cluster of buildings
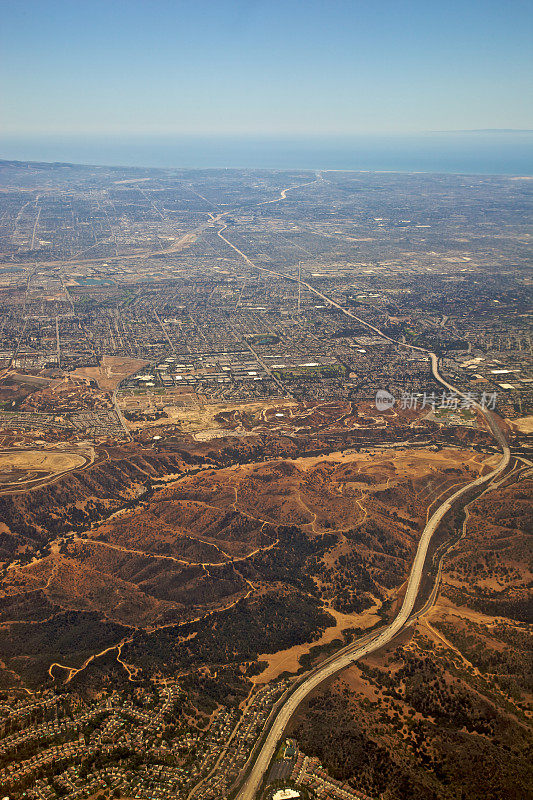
{"x":508,"y":373}
{"x":100,"y":425}
{"x":229,"y":743}
{"x":62,"y":746}
{"x":309,"y":772}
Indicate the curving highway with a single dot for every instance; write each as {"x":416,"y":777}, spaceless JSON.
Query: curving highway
{"x":370,"y":643}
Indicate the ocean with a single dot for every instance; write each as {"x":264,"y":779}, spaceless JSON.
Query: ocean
{"x":471,"y":152}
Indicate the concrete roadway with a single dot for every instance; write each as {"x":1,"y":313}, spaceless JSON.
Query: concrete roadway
{"x":344,"y":659}
{"x":348,"y":655}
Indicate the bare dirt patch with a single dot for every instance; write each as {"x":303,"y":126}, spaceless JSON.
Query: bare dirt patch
{"x":522,"y":424}
{"x":111,"y":371}
{"x":20,"y":466}
{"x":288,"y":660}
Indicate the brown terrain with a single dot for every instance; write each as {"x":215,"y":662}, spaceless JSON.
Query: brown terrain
{"x":329,"y":537}
{"x":249,"y":540}
{"x":446,"y":712}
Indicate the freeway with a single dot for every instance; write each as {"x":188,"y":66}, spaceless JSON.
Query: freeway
{"x":370,"y":644}
{"x":349,"y":655}
{"x":443,"y":551}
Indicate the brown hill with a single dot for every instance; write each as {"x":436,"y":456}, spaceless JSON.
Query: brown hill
{"x":450,"y":706}
{"x":329,"y":532}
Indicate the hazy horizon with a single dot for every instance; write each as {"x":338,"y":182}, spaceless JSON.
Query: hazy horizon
{"x":474,"y":152}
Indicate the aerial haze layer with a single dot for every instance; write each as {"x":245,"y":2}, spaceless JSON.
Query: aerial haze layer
{"x":490,"y":152}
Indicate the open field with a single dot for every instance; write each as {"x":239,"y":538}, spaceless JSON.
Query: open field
{"x":449,"y":698}
{"x":111,"y":371}
{"x":202,"y":419}
{"x":20,"y":468}
{"x":292,"y":369}
{"x":522,"y":424}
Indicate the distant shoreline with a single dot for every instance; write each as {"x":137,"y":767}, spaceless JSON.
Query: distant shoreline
{"x":469,"y":153}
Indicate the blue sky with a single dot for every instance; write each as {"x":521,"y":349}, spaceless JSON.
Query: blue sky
{"x":248,"y":67}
